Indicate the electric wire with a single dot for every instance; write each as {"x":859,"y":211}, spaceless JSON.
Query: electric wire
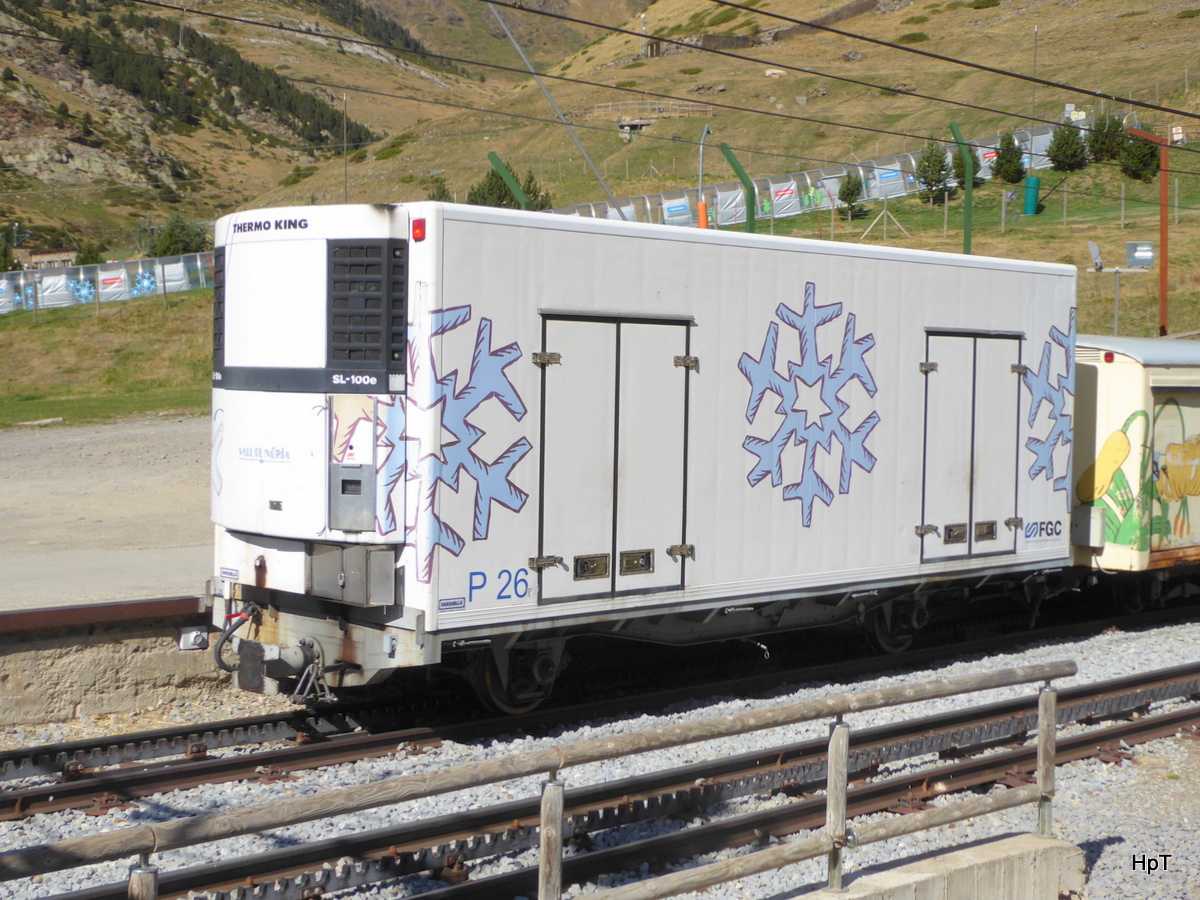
{"x":809,"y":71}
{"x":928,"y":54}
{"x":563,"y":78}
{"x":466,"y":107}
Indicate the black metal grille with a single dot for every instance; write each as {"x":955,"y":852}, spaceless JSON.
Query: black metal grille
{"x":368,"y":288}
{"x":398,"y":330}
{"x":218,"y":265}
{"x":356,"y":304}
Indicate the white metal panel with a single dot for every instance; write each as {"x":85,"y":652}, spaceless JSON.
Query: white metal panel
{"x":275,"y":304}
{"x":577,"y":468}
{"x":270,"y":463}
{"x":650,"y":452}
{"x":994,"y":485}
{"x":948,"y":424}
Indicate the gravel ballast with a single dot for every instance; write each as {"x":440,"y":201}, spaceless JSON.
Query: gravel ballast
{"x":1144,"y":808}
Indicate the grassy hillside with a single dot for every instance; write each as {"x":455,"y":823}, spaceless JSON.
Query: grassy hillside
{"x":149,"y":355}
{"x":798,"y":119}
{"x":138,"y":357}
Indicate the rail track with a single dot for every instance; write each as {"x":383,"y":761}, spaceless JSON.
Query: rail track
{"x":447,"y":845}
{"x":81,"y":759}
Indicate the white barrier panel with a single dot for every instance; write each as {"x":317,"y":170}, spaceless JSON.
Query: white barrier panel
{"x":731,"y":207}
{"x":785,"y":200}
{"x":677,"y":211}
{"x":51,"y":288}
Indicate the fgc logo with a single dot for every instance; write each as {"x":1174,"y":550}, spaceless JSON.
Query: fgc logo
{"x":1043,"y":530}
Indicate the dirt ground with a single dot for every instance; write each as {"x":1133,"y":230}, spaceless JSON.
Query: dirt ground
{"x":96,"y":513}
{"x":136,"y":484}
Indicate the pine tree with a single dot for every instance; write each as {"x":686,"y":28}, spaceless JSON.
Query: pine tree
{"x":1106,"y":138}
{"x":492,"y":191}
{"x":933,"y":172}
{"x":850,"y":193}
{"x":1008,"y":166}
{"x":1067,"y":151}
{"x":960,"y":166}
{"x":179,"y":236}
{"x":439,"y":190}
{"x":1139,"y":160}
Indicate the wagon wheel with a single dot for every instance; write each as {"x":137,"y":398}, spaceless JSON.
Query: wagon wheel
{"x":510,"y":699}
{"x":885,"y":632}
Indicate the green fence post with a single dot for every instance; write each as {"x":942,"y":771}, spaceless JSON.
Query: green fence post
{"x":503,"y":172}
{"x":751,"y":194}
{"x":969,"y":167}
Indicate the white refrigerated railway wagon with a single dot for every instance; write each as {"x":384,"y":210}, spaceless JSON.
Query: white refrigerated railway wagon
{"x":459,"y":435}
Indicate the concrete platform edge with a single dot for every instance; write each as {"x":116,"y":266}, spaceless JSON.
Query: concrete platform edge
{"x":1014,"y":867}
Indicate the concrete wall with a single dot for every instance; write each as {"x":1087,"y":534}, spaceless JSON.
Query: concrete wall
{"x":1020,"y":867}
{"x":55,"y":675}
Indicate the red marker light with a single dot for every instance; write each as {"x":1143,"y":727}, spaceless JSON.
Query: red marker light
{"x":1109,"y":356}
{"x":418,"y":229}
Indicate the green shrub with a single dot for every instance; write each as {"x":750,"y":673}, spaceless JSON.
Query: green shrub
{"x":1188,"y":14}
{"x":913,"y":37}
{"x":633,"y":65}
{"x":297,"y":175}
{"x":691,"y":70}
{"x":983,"y":4}
{"x":726,"y":15}
{"x":395,"y":146}
{"x":915,"y":20}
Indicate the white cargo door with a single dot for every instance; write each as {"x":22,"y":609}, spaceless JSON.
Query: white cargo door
{"x":613,"y":458}
{"x":650,"y":456}
{"x":994,"y":486}
{"x":970,"y":458}
{"x":578,"y":404}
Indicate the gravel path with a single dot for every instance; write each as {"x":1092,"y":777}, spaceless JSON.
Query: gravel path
{"x":95,"y":513}
{"x":1147,"y":807}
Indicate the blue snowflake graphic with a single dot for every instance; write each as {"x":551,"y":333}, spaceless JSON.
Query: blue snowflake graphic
{"x":427,"y":471}
{"x":83,"y":291}
{"x":812,"y":428}
{"x":144,"y":284}
{"x":1045,"y":387}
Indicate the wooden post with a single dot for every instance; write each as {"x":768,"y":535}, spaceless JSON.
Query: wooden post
{"x":143,"y":880}
{"x":1047,"y":710}
{"x":186,"y":832}
{"x":551,"y":834}
{"x":700,"y":877}
{"x":945,"y":213}
{"x":835,"y":800}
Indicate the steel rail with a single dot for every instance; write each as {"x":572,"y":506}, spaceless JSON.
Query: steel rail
{"x":685,"y":791}
{"x":73,"y":757}
{"x":942,"y":734}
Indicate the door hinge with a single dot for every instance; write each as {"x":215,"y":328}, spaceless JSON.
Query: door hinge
{"x":537,"y":563}
{"x":1019,"y":368}
{"x":687,"y":362}
{"x":923,"y":530}
{"x":1014,"y":522}
{"x":927,"y":367}
{"x":546,"y":359}
{"x":684,"y":551}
